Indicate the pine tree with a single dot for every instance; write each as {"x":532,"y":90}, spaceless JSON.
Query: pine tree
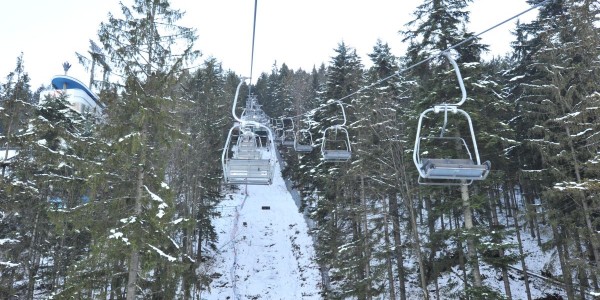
{"x":439,"y":25}
{"x":341,"y":228}
{"x":148,"y":51}
{"x":557,"y":120}
{"x":20,"y":200}
{"x":196,"y":171}
{"x":381,"y":137}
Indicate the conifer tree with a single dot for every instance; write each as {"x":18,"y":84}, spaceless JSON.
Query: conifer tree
{"x":148,"y":51}
{"x":381,"y":135}
{"x":557,"y":106}
{"x":196,"y":170}
{"x":438,"y":26}
{"x":340,"y":234}
{"x":20,"y":201}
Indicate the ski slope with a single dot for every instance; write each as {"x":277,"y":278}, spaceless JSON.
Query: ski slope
{"x":265,"y":251}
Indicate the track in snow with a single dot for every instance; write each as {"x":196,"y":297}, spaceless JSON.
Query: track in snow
{"x":266,"y":252}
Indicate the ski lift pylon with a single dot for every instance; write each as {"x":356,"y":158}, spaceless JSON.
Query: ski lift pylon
{"x":449,"y":170}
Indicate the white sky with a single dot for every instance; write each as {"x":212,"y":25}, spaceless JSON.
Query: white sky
{"x":301,"y":34}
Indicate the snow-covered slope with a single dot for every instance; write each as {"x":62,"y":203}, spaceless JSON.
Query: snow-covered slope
{"x":265,"y":251}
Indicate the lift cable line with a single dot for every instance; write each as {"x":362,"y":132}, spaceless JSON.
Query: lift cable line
{"x":245,"y":159}
{"x":441,"y":52}
{"x":252,"y":54}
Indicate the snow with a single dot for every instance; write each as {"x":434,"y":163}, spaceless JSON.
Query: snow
{"x":582,"y":133}
{"x":8,"y":241}
{"x":117,"y":235}
{"x":8,"y":264}
{"x":7,"y":154}
{"x":161,"y":253}
{"x":571,"y":115}
{"x":157,"y":198}
{"x":265,"y":251}
{"x":516,"y":78}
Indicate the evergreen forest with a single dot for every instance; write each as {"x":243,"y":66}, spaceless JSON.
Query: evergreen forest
{"x":121,"y":206}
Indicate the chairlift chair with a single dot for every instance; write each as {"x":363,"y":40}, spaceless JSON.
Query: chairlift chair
{"x":449,"y":170}
{"x":336,"y":149}
{"x":251,"y":167}
{"x":287,"y":136}
{"x":278,"y":130}
{"x":247,"y":146}
{"x":303,"y":141}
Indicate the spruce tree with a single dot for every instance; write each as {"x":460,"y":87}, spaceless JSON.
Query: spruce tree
{"x":340,"y":235}
{"x":557,"y":120}
{"x":440,"y":25}
{"x":148,"y":52}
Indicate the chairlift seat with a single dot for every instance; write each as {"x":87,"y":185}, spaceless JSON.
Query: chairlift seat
{"x":336,"y":155}
{"x":287,"y":143}
{"x":303,"y":148}
{"x":450,"y":171}
{"x":249,"y":171}
{"x":303,"y":141}
{"x":248,"y":154}
{"x":287,"y":138}
{"x":446,"y":168}
{"x":252,"y":169}
{"x":336,"y":150}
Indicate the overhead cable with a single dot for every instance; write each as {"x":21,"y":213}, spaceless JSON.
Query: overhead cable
{"x":427,"y":59}
{"x":253,"y":38}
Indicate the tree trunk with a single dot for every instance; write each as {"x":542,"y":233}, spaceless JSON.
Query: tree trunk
{"x":471,"y":250}
{"x":520,"y":245}
{"x":496,"y":225}
{"x":393,"y":207}
{"x":365,"y":229}
{"x":567,"y":278}
{"x":593,"y":275}
{"x":461,"y":255}
{"x":33,"y":262}
{"x":134,"y":256}
{"x":581,"y":272}
{"x":417,"y":247}
{"x":388,"y":246}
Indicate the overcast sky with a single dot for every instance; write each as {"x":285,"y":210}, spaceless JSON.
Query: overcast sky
{"x":301,"y":34}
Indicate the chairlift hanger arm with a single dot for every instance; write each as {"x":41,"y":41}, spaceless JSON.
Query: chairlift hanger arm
{"x":343,"y":111}
{"x":237,"y":93}
{"x":459,"y":77}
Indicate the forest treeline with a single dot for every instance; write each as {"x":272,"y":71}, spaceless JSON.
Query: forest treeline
{"x":120,"y":207}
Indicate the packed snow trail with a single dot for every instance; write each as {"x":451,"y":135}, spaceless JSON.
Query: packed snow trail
{"x":265,"y":249}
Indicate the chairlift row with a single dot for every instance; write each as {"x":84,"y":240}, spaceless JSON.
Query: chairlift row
{"x":335,"y":144}
{"x":440,"y":160}
{"x":251,"y":158}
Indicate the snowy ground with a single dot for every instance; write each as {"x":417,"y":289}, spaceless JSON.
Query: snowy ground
{"x":265,"y":249}
{"x":265,"y":252}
